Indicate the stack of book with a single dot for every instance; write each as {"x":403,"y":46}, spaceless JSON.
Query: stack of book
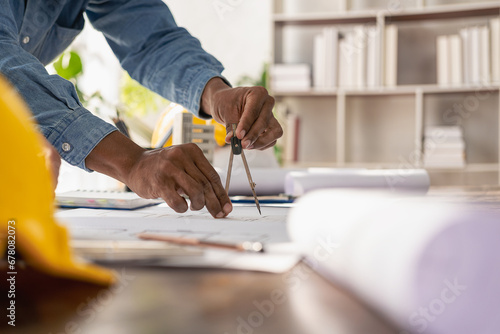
{"x":470,"y":57}
{"x":444,"y":147}
{"x":351,"y":58}
{"x":325,"y":58}
{"x":290,"y":77}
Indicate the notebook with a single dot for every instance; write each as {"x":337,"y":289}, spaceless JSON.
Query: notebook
{"x":117,"y":200}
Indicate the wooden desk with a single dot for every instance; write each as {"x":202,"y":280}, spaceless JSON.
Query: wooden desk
{"x":192,"y":301}
{"x":195,"y":301}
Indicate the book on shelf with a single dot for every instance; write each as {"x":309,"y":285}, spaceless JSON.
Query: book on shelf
{"x":292,"y":129}
{"x":348,"y":59}
{"x":444,"y":147}
{"x":474,"y":59}
{"x":325,"y":62}
{"x":449,"y":60}
{"x":359,"y":56}
{"x":484,"y":42}
{"x":331,"y":56}
{"x":372,"y":57}
{"x":495,"y":49}
{"x":319,"y":60}
{"x":443,"y":75}
{"x":455,"y":69}
{"x":290,"y":77}
{"x":471,"y":57}
{"x":466,"y":55}
{"x":391,"y":55}
{"x":447,"y":131}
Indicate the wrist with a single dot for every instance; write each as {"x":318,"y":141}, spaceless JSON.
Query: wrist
{"x":213,"y":86}
{"x":115,"y":156}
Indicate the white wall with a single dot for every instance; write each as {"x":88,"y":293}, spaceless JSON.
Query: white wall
{"x":237,"y":32}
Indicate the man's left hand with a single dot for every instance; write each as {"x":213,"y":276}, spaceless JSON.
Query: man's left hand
{"x":249,"y":107}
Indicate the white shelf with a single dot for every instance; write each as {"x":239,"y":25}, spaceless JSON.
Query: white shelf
{"x":398,"y":90}
{"x":455,"y":11}
{"x":394,"y":130}
{"x":469,"y":168}
{"x":325,"y":18}
{"x":436,"y":89}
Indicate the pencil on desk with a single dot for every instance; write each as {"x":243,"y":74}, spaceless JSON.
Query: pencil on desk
{"x":246,"y":246}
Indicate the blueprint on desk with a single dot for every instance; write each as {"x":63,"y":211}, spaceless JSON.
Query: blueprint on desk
{"x":243,"y":224}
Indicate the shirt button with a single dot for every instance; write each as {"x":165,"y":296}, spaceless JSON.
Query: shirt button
{"x":66,"y":147}
{"x":26,"y":39}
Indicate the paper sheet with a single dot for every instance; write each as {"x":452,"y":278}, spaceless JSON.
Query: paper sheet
{"x":243,"y":224}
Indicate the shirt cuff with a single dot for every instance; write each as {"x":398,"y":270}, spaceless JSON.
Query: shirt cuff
{"x":195,"y":92}
{"x":77,"y":135}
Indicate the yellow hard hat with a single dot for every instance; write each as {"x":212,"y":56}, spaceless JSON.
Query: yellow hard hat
{"x":27,"y":203}
{"x":165,"y":124}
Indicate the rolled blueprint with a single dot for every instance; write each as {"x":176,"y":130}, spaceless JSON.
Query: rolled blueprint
{"x":298,"y":183}
{"x":431,"y":267}
{"x":269,"y":181}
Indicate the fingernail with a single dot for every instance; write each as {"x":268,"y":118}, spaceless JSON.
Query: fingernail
{"x":243,"y":133}
{"x":220,"y":215}
{"x":228,"y":208}
{"x":246,"y":143}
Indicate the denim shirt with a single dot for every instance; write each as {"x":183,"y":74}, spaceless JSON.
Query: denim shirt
{"x":142,"y":34}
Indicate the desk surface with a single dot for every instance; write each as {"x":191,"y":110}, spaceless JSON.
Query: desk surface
{"x":161,"y":300}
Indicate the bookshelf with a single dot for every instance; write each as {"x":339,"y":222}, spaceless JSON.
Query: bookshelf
{"x":382,"y":126}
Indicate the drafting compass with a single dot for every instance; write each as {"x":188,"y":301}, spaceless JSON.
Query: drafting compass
{"x":236,"y":149}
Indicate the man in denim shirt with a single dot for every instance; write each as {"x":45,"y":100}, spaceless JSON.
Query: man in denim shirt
{"x":157,"y":53}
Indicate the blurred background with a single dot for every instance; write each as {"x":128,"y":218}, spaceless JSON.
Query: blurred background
{"x":358,"y":84}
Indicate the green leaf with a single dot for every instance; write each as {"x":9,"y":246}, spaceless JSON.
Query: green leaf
{"x":69,"y":65}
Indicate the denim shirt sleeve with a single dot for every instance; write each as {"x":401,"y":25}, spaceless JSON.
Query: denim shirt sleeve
{"x":154,"y":50}
{"x":69,"y":127}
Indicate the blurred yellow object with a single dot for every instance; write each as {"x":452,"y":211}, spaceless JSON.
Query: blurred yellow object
{"x":28,"y":227}
{"x":165,"y":123}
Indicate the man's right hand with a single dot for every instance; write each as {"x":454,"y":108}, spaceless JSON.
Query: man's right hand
{"x":168,"y":173}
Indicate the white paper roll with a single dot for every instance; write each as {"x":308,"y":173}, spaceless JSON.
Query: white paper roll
{"x":298,"y":183}
{"x":430,"y":267}
{"x":269,"y":181}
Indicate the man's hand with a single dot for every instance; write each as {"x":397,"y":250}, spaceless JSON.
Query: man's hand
{"x":249,"y":107}
{"x":167,"y":173}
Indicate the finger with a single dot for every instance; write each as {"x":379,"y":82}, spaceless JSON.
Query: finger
{"x":253,"y":104}
{"x":228,"y":137}
{"x":263,"y":123}
{"x":229,"y":132}
{"x":205,"y":193}
{"x":190,"y":185}
{"x":216,"y":197}
{"x":274,"y":132}
{"x":170,"y":195}
{"x":212,"y":202}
